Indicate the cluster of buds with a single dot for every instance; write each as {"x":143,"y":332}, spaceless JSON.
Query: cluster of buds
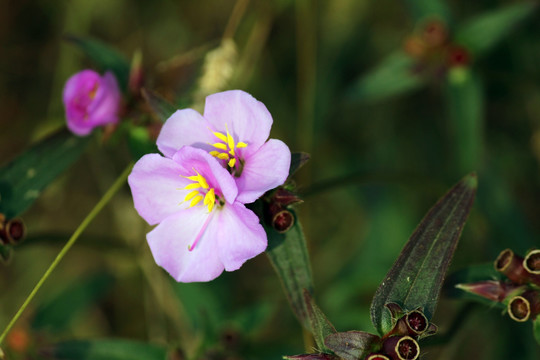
{"x":12,"y":231}
{"x":276,"y":211}
{"x":401,"y":343}
{"x":433,"y":48}
{"x":520,"y":293}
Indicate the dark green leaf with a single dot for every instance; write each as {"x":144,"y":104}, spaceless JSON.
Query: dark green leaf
{"x":351,"y":345}
{"x":480,"y":34}
{"x":106,"y":349}
{"x":415,"y":279}
{"x":105,"y":58}
{"x":140,"y":143}
{"x":159,"y":106}
{"x":320,"y":326}
{"x":58,"y":312}
{"x":536,"y":329}
{"x":23,"y":179}
{"x":394,"y":76}
{"x":465,"y":105}
{"x":298,"y":159}
{"x":289,"y":257}
{"x":312,"y":357}
{"x":421,"y":9}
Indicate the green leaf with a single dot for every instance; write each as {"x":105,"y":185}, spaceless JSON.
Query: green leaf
{"x":5,"y":252}
{"x":140,"y":143}
{"x":106,"y":349}
{"x":351,"y":345}
{"x":320,"y":326}
{"x":394,"y":76}
{"x":421,"y":9}
{"x":536,"y":329}
{"x":298,"y":159}
{"x":480,"y":34}
{"x":415,"y":279}
{"x":58,"y":312}
{"x":161,"y":108}
{"x":289,"y":257}
{"x":105,"y":58}
{"x":465,"y":106}
{"x":23,"y":179}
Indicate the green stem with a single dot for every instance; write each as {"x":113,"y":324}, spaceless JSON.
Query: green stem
{"x":99,"y":206}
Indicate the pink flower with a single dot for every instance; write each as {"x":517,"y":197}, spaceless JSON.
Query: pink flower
{"x":203,"y":227}
{"x":234,"y":129}
{"x":90,"y":101}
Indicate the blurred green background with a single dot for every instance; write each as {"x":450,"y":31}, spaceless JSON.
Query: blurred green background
{"x":381,"y":156}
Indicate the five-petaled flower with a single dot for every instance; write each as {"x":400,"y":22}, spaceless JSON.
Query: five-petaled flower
{"x":197,"y":191}
{"x":91,"y":100}
{"x":234,"y":129}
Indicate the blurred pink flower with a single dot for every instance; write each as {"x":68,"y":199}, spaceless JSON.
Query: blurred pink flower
{"x":91,"y":100}
{"x":234,"y":129}
{"x":203,"y":227}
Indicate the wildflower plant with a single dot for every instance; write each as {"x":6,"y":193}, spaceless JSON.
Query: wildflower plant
{"x":218,"y":212}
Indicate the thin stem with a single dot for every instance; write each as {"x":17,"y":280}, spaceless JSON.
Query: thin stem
{"x":99,"y":206}
{"x":237,"y":14}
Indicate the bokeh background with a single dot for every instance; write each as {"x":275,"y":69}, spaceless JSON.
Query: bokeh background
{"x":381,"y":155}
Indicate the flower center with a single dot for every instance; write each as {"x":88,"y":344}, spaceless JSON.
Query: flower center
{"x":226,"y":151}
{"x":201,"y":191}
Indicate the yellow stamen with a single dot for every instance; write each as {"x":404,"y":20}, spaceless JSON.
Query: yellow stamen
{"x":196,"y":200}
{"x":220,"y":136}
{"x":241,"y":145}
{"x":193,"y":186}
{"x":231,"y":152}
{"x":191,"y":195}
{"x":221,"y":146}
{"x":214,"y":153}
{"x":203,"y":182}
{"x":230,"y":140}
{"x":223,"y":156}
{"x":193,"y":178}
{"x":232,"y":162}
{"x":210,"y":197}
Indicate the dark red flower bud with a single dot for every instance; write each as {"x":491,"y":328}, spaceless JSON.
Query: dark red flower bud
{"x":531,"y":263}
{"x":11,"y":231}
{"x":524,"y":307}
{"x":401,"y":347}
{"x":417,"y":322}
{"x":377,"y":357}
{"x":458,"y":56}
{"x":285,"y":197}
{"x":283,"y":221}
{"x":511,"y":265}
{"x":492,"y":289}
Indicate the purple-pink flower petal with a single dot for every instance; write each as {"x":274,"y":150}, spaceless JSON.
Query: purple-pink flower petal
{"x":246,"y":118}
{"x":171,"y":239}
{"x":184,"y":127}
{"x":239,"y":234}
{"x":155,"y":183}
{"x":264,"y":170}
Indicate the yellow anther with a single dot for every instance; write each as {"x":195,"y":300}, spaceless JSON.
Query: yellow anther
{"x":193,"y":178}
{"x":195,"y":200}
{"x":193,"y":186}
{"x":191,"y":195}
{"x":210,"y":197}
{"x":220,"y":136}
{"x":223,"y":156}
{"x":232,"y":162}
{"x":214,"y":153}
{"x":203,"y":182}
{"x":241,"y":145}
{"x":230,"y":140}
{"x":231,"y":152}
{"x":221,"y":146}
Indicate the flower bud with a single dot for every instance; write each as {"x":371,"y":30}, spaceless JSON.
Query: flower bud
{"x":511,"y":265}
{"x":285,"y":197}
{"x":283,"y":221}
{"x":531,"y":263}
{"x":11,"y":231}
{"x":492,"y":289}
{"x":91,"y":100}
{"x":458,"y":56}
{"x":377,"y":357}
{"x":524,"y":307}
{"x":401,"y":347}
{"x":417,"y":322}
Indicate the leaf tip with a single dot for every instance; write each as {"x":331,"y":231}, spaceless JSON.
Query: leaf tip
{"x":471,"y":181}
